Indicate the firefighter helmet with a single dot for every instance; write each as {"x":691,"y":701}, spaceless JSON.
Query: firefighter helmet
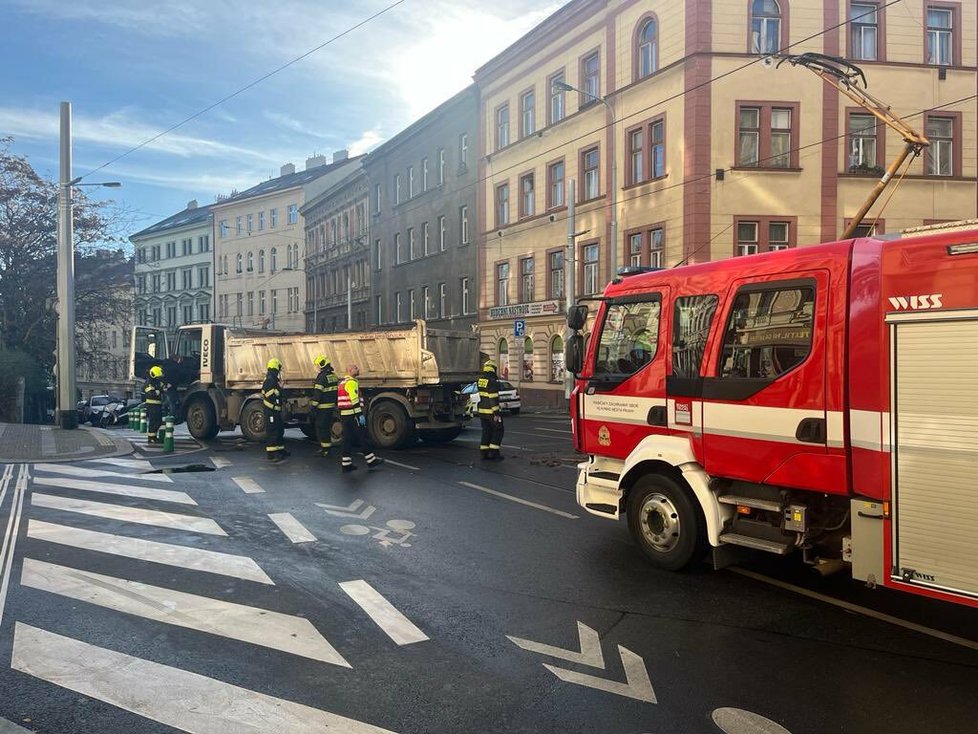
{"x":155,"y":371}
{"x":274,"y":364}
{"x":489,"y":366}
{"x":321,"y":361}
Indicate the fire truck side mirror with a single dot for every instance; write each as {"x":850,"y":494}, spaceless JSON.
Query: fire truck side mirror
{"x":574,"y":354}
{"x":577,"y":317}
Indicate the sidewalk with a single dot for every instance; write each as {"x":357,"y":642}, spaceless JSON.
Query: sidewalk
{"x":22,"y":443}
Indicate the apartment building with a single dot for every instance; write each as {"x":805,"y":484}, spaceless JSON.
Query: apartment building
{"x":174,"y":270}
{"x":685,"y":145}
{"x":102,"y":347}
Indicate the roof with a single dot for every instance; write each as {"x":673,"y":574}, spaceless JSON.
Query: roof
{"x":470,"y":93}
{"x":289,"y":181}
{"x":197,"y":215}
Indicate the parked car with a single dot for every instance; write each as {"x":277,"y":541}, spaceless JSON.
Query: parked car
{"x":89,"y":410}
{"x":509,"y":398}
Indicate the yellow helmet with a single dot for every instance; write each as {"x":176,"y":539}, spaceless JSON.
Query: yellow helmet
{"x":274,"y":364}
{"x":489,"y":366}
{"x":321,"y":361}
{"x":155,"y":371}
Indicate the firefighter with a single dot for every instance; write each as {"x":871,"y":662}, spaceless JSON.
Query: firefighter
{"x":324,"y":403}
{"x":492,"y":419}
{"x":271,"y":392}
{"x":355,"y":434}
{"x":153,"y":396}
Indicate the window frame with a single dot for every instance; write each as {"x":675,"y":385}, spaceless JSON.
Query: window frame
{"x":527,"y":287}
{"x":880,"y":30}
{"x":464,"y":226}
{"x":583,"y":193}
{"x":528,"y":127}
{"x":584,"y":264}
{"x":764,"y":232}
{"x":551,"y":166}
{"x":880,"y":142}
{"x":957,"y":143}
{"x":442,"y":233}
{"x":765,"y":131}
{"x":955,"y":45}
{"x":783,"y":30}
{"x":637,"y":56}
{"x":560,"y":74}
{"x":502,"y":136}
{"x":501,"y":291}
{"x":527,"y":205}
{"x":651,"y":297}
{"x":552,"y":292}
{"x":501,"y":205}
{"x":586,"y":98}
{"x":646,"y":249}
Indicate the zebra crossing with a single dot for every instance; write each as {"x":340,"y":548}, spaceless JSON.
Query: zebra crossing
{"x":71,"y":497}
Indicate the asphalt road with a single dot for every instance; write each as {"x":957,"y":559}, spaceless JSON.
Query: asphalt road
{"x":436,"y":594}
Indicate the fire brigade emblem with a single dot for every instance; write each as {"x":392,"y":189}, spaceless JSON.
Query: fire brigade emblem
{"x":604,"y":436}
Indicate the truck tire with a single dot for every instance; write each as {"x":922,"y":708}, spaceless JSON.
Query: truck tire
{"x":665,"y":523}
{"x":440,"y":435}
{"x":389,"y":426}
{"x":202,"y":420}
{"x":252,"y":421}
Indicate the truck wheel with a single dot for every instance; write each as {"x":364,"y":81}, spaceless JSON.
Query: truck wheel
{"x":440,"y":435}
{"x":252,"y":422}
{"x":202,"y":420}
{"x":389,"y":425}
{"x":665,"y":523}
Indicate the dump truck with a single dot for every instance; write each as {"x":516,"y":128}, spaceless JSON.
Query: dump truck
{"x":410,"y":377}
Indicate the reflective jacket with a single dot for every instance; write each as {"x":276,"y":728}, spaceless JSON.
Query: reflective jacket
{"x":271,"y":393}
{"x":488,"y":394}
{"x":326,"y":387}
{"x":153,"y":391}
{"x":348,"y":397}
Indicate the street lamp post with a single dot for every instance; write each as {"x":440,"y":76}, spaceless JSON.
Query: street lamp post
{"x":560,"y":86}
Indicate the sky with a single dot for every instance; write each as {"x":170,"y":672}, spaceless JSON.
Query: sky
{"x":133,"y":68}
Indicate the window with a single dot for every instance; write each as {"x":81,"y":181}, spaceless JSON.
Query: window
{"x":629,"y":337}
{"x":293,"y":214}
{"x":237,"y":225}
{"x":225,"y":262}
{"x":412,"y":250}
{"x":769,"y":332}
{"x":590,"y":269}
{"x":273,"y":216}
{"x":224,"y":228}
{"x":635,"y":250}
{"x":261,"y":303}
{"x":251,"y":262}
{"x":154,"y":253}
{"x":865,"y":30}
{"x":692,"y":318}
{"x":398,"y":255}
{"x":273,"y":260}
{"x":204,"y":276}
{"x":441,"y":166}
{"x":203,"y":312}
{"x":463,"y":152}
{"x":412,"y":306}
{"x":171,"y":249}
{"x":171,"y":315}
{"x":657,"y":135}
{"x":765,"y":27}
{"x":747,"y":238}
{"x":410,"y":181}
{"x":397,"y":307}
{"x":379,"y":309}
{"x":555,"y":185}
{"x":590,"y":78}
{"x":636,"y":153}
{"x":503,"y":360}
{"x":171,"y":281}
{"x":526,"y":280}
{"x":237,"y":263}
{"x":156,"y":283}
{"x":204,"y":243}
{"x":763,"y":235}
{"x":527,"y":114}
{"x":251,"y":303}
{"x":424,"y":174}
{"x":647,"y":52}
{"x":261,"y":220}
{"x":940,"y":36}
{"x":590,"y":160}
{"x":502,"y":205}
{"x":502,"y":284}
{"x":238,"y":304}
{"x":863,"y":143}
{"x":442,"y":300}
{"x":294,"y":299}
{"x":502,"y":127}
{"x":764,"y":136}
{"x":556,"y":280}
{"x":188,"y":317}
{"x":426,"y":301}
{"x":557,"y":108}
{"x":274,"y":301}
{"x":465,"y":295}
{"x":188,"y":279}
{"x":463,"y":217}
{"x":378,"y":255}
{"x":938,"y":160}
{"x":425,"y":239}
{"x":526,"y":195}
{"x":442,"y":229}
{"x":557,"y":359}
{"x":376,"y":198}
{"x":250,"y":223}
{"x":657,"y":238}
{"x":397,"y":189}
{"x":527,"y":359}
{"x":141,"y":283}
{"x":186,"y":246}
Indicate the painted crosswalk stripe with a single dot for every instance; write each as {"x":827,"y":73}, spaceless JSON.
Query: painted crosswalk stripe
{"x":292,"y":528}
{"x":123,"y":490}
{"x":519,"y":500}
{"x":193,"y":559}
{"x":9,"y":727}
{"x":171,"y":696}
{"x":398,"y":627}
{"x":248,"y":485}
{"x":128,"y":514}
{"x":219,"y":462}
{"x":137,"y":464}
{"x":81,"y":471}
{"x":217,"y":617}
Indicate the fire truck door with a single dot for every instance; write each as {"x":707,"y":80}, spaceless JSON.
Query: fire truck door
{"x":764,"y":399}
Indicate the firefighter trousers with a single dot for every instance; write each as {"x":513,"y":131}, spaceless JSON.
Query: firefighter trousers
{"x":274,"y":433}
{"x":355,"y":438}
{"x":154,"y":418}
{"x":492,"y":435}
{"x":323,"y":423}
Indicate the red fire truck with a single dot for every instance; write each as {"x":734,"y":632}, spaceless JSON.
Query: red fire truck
{"x":821,"y":400}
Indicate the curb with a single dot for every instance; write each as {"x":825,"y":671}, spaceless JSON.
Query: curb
{"x":102,"y":437}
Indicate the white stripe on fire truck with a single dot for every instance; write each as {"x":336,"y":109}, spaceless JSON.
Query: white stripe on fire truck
{"x":866,"y":429}
{"x":620,"y":408}
{"x":755,"y":421}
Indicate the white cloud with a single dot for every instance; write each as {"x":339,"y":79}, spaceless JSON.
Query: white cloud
{"x":366,"y":142}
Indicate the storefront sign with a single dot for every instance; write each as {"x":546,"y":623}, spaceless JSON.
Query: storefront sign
{"x":522,"y":310}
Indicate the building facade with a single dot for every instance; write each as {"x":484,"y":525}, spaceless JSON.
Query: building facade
{"x":259,"y":247}
{"x":174,"y":270}
{"x":423,"y":193}
{"x":337,"y":232}
{"x":102,"y":344}
{"x":685,"y":145}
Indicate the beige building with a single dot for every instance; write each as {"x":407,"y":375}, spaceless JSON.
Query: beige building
{"x":701,"y":149}
{"x":259,"y":247}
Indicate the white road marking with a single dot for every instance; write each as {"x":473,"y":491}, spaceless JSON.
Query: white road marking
{"x":124,"y":490}
{"x":248,"y":485}
{"x":9,"y":727}
{"x":849,"y":607}
{"x":522,"y":501}
{"x":81,"y":471}
{"x":590,"y":653}
{"x":219,"y":462}
{"x":352,"y":511}
{"x":128,"y":514}
{"x":138,"y":464}
{"x":637,"y":684}
{"x":403,"y":466}
{"x":292,"y":528}
{"x":194,"y":559}
{"x":174,"y":697}
{"x":398,"y":627}
{"x":738,"y":721}
{"x":556,"y":430}
{"x":10,"y":535}
{"x":235,"y":621}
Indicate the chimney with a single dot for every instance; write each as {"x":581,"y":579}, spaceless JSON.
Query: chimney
{"x":288,"y":169}
{"x":315,"y":161}
{"x":192,"y":204}
{"x":341,"y":155}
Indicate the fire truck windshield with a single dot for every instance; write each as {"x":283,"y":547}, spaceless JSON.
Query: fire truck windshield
{"x":629,"y":337}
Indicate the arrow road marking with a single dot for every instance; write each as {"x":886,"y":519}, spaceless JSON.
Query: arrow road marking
{"x":637,"y":684}
{"x":738,"y":721}
{"x":590,"y":653}
{"x":351,"y":511}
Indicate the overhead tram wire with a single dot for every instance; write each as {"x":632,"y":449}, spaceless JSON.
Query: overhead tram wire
{"x":245,"y":88}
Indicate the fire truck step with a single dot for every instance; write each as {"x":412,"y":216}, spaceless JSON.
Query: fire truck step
{"x":758,"y":503}
{"x":613,"y":476}
{"x":761,"y":544}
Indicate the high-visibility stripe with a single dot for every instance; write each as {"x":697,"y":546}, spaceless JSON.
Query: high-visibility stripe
{"x":153,"y":402}
{"x":488,"y":394}
{"x":271,"y":406}
{"x":489,"y":411}
{"x":323,"y":406}
{"x":494,"y":446}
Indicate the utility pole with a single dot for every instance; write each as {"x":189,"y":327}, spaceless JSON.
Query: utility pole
{"x":569,"y":273}
{"x":66,"y":415}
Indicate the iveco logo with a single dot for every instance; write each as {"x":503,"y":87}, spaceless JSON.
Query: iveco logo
{"x":917,"y":303}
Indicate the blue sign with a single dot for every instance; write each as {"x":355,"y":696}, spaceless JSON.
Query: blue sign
{"x":519,"y":327}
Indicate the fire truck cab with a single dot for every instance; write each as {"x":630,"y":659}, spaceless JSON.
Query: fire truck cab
{"x":821,"y":399}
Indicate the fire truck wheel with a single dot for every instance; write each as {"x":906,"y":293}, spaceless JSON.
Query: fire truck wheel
{"x":665,"y":523}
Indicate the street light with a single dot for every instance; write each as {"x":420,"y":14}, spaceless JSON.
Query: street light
{"x":560,"y":86}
